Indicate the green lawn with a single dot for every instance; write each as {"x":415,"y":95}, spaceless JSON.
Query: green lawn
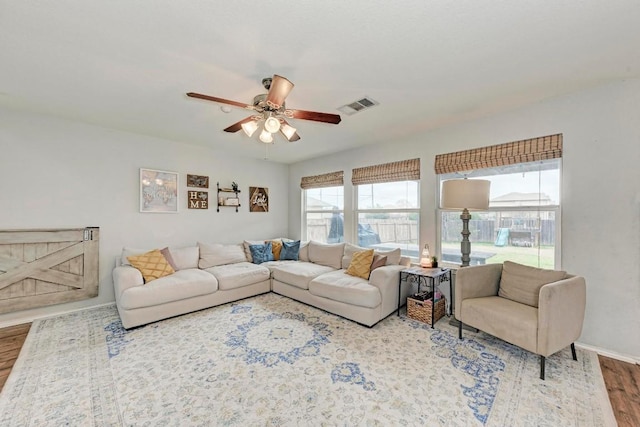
{"x":521,"y":255}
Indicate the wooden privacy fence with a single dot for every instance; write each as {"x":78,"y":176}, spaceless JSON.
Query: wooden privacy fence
{"x":45,"y":267}
{"x":484,"y":231}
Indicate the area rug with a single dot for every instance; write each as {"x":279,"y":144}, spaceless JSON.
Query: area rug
{"x":269,"y":360}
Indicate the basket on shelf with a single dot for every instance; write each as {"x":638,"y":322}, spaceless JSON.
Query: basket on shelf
{"x":421,"y":310}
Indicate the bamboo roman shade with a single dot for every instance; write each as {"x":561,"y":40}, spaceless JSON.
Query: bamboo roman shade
{"x":405,"y":170}
{"x":331,"y":179}
{"x":526,"y":150}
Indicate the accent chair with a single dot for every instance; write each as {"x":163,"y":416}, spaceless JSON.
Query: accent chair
{"x":539,"y":310}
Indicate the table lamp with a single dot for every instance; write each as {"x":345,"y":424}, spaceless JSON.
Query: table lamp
{"x":468,"y":195}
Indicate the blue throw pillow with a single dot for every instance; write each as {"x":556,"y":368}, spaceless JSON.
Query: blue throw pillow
{"x":290,"y":250}
{"x":261,"y":253}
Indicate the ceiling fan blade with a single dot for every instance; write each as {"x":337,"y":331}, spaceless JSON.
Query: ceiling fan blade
{"x":237,"y":126}
{"x":278,"y":91}
{"x":294,"y":136}
{"x":220,"y":100}
{"x":314,"y":115}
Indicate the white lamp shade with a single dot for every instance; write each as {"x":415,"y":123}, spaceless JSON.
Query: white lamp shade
{"x":288,"y":131}
{"x":471,"y":194}
{"x":249,"y":127}
{"x":272,"y":124}
{"x":266,"y":137}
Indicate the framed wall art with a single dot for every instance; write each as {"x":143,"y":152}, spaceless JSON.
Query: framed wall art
{"x":158,"y":191}
{"x":258,"y":199}
{"x":197,"y":199}
{"x":197,"y":181}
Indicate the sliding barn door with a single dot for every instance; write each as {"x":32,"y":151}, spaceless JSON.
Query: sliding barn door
{"x":45,"y":267}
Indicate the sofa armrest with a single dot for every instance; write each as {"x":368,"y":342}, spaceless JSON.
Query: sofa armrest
{"x":387,"y":279}
{"x":476,"y":282}
{"x":561,"y":310}
{"x":125,"y":277}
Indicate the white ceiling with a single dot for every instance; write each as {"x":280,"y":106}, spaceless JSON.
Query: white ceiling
{"x":127,"y":64}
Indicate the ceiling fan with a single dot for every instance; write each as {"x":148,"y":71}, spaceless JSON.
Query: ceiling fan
{"x":271,"y":110}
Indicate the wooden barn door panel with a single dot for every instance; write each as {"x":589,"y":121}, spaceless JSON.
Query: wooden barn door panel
{"x":46,"y":267}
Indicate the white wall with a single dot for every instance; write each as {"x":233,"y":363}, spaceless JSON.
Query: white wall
{"x":56,"y":173}
{"x":600,"y":193}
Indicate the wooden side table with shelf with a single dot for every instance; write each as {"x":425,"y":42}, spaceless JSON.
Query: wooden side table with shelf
{"x":227,"y":190}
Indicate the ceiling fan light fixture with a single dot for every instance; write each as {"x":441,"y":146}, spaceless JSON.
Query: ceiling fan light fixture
{"x":272,"y":124}
{"x":266,"y":136}
{"x":288,"y":131}
{"x":250,"y":127}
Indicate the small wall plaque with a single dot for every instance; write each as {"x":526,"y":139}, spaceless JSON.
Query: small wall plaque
{"x":198,"y":199}
{"x":258,"y":199}
{"x":197,"y":181}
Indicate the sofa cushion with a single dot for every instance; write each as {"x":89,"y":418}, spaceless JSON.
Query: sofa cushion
{"x":393,"y":256}
{"x":303,"y":253}
{"x":521,"y":283}
{"x":360,"y":265}
{"x":232,"y":276}
{"x":182,"y":284}
{"x":339,"y":286}
{"x":290,"y":250}
{"x":186,"y":257}
{"x":261,"y":253}
{"x":212,"y":254}
{"x":326,"y":254}
{"x":152,"y":265}
{"x":298,"y":274}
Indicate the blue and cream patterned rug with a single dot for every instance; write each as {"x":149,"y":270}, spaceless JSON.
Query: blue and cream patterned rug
{"x":269,"y":360}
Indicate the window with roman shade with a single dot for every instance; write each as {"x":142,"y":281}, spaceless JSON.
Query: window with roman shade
{"x":323,"y":207}
{"x":522,"y":223}
{"x":387,"y":206}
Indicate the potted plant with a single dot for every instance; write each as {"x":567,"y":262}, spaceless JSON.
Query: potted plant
{"x":434,"y":262}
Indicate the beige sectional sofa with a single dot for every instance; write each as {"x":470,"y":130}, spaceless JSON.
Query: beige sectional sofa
{"x":212,"y":274}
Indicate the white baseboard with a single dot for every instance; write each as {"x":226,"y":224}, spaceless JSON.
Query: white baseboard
{"x":31,"y":319}
{"x":611,"y":354}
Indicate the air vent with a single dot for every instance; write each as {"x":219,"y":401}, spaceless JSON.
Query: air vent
{"x":359,"y":105}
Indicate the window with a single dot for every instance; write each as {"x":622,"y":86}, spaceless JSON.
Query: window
{"x":387,"y":206}
{"x":388,"y":216}
{"x":323,"y":207}
{"x":323,"y":214}
{"x":523,"y":220}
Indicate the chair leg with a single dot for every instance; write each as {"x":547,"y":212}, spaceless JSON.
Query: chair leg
{"x":542,"y":359}
{"x":573,"y":351}
{"x":459,"y":330}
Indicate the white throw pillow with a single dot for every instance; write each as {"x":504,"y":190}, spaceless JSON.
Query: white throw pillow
{"x":326,"y":254}
{"x":213,"y":254}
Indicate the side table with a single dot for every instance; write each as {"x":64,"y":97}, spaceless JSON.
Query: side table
{"x":428,"y":277}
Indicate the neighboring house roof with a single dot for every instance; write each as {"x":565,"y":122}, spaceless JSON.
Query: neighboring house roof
{"x":522,"y":197}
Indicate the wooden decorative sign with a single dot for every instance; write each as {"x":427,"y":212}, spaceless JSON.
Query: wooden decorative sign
{"x":198,"y":199}
{"x":258,"y":199}
{"x":197,"y":181}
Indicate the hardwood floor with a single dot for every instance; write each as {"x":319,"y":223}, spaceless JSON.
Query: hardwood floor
{"x":11,"y":340}
{"x":621,"y":379}
{"x":623,"y":384}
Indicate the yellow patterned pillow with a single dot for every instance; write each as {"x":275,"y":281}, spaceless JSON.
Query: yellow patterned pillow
{"x":361,"y":264}
{"x":153,"y":265}
{"x":276,"y":248}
